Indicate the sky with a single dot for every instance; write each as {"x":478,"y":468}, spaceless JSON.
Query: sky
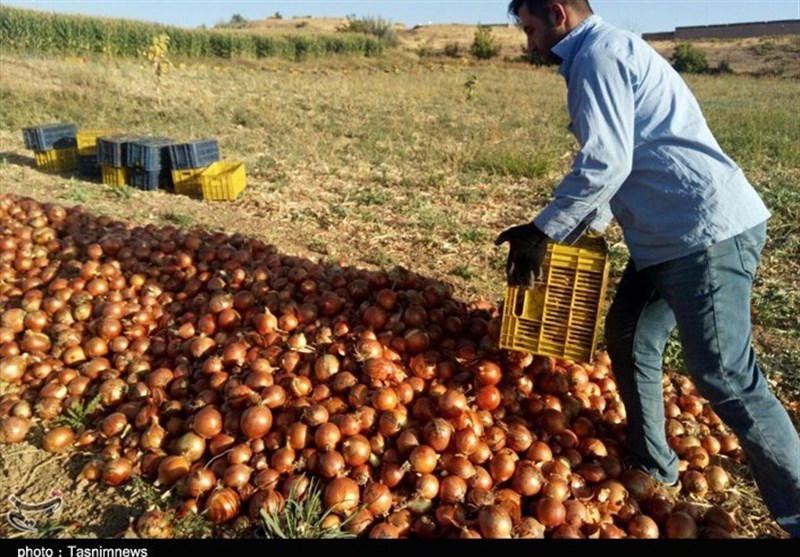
{"x":640,"y":16}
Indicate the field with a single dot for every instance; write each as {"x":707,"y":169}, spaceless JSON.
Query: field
{"x":380,"y":162}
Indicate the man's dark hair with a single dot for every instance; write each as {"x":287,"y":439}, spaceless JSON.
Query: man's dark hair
{"x":539,"y":7}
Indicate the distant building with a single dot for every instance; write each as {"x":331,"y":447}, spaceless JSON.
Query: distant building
{"x":729,"y":31}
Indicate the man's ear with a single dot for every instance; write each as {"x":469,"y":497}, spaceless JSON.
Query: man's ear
{"x":556,"y":14}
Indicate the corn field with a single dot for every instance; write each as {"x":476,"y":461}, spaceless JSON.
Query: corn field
{"x":48,"y":33}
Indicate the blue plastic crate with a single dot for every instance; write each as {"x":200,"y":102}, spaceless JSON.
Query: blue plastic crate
{"x":150,"y":153}
{"x":113,"y":150}
{"x":50,"y":136}
{"x":194,"y":154}
{"x":149,"y":179}
{"x":88,"y":167}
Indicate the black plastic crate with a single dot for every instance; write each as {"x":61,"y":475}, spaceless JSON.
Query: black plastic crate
{"x":88,"y":167}
{"x":198,"y":153}
{"x":150,"y":153}
{"x":50,"y":136}
{"x":149,"y":179}
{"x":113,"y":150}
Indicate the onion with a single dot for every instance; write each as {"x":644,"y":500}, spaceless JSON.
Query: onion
{"x":488,"y":397}
{"x":717,"y":478}
{"x":550,"y":512}
{"x":679,"y":525}
{"x":378,"y":498}
{"x":643,"y":527}
{"x":717,"y":516}
{"x":527,"y":480}
{"x":58,"y":439}
{"x":327,"y":436}
{"x":494,"y":523}
{"x":503,"y":465}
{"x":452,"y":489}
{"x":437,"y":433}
{"x":207,"y":422}
{"x":695,"y":483}
{"x":268,"y":500}
{"x":117,"y":471}
{"x":154,"y":524}
{"x":487,"y":373}
{"x":13,"y":429}
{"x":452,"y":403}
{"x":341,"y":495}
{"x":326,"y":367}
{"x":385,"y":531}
{"x":113,"y":424}
{"x":255,"y":422}
{"x":199,"y":482}
{"x":222,"y":505}
{"x":356,"y":450}
{"x":172,"y":468}
{"x":423,"y":459}
{"x":190,"y":445}
{"x":427,"y":486}
{"x":12,"y":368}
{"x":237,"y":476}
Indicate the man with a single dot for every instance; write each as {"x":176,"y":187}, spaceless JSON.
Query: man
{"x":695,"y":228}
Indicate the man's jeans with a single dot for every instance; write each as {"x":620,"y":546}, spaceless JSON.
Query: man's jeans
{"x":707,"y":295}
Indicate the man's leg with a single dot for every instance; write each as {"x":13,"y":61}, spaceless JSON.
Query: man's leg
{"x":637,"y":328}
{"x":709,"y":293}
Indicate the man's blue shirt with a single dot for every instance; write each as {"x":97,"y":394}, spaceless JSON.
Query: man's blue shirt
{"x":646,"y":153}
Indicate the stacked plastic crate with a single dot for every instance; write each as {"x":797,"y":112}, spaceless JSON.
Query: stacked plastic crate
{"x":189,"y":160}
{"x":197,"y":171}
{"x":149,"y":163}
{"x":112,"y":154}
{"x":88,"y":164}
{"x":54,"y":146}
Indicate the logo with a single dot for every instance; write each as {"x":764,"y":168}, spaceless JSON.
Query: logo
{"x":23,"y":516}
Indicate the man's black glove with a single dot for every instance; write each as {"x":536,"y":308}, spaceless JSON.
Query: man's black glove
{"x":527,"y":246}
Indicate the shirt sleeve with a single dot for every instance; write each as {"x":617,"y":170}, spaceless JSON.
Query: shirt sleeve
{"x":601,"y":106}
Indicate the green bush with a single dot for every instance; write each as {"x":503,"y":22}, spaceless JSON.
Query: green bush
{"x":688,"y":59}
{"x":483,"y":46}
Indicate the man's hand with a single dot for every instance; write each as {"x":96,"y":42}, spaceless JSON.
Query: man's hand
{"x":527,"y":246}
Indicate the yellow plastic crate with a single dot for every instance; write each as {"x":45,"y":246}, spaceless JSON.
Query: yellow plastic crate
{"x":222,"y":180}
{"x":87,"y":140}
{"x":114,"y":176}
{"x":187,"y":181}
{"x":57,"y":160}
{"x":560,"y":315}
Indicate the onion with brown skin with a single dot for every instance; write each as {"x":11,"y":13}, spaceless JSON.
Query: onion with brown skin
{"x":341,"y":495}
{"x":58,"y":438}
{"x":13,"y":429}
{"x":494,"y":523}
{"x":222,"y":505}
{"x":679,"y":525}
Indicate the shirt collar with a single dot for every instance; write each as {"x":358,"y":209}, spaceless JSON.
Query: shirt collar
{"x":567,"y":47}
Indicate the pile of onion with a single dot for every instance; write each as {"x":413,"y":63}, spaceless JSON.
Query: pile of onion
{"x":216,"y":366}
